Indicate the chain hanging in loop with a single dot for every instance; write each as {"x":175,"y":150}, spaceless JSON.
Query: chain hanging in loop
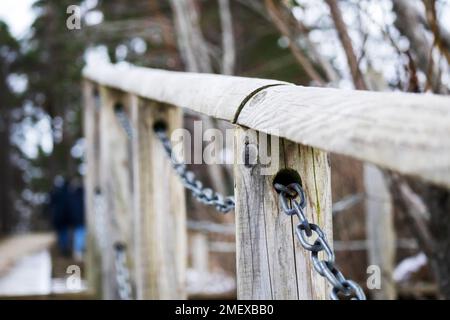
{"x":290,"y":206}
{"x":124,"y":121}
{"x":204,"y":195}
{"x":306,"y":232}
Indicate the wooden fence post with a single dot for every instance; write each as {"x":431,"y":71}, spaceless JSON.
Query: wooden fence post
{"x":114,"y":170}
{"x":91,"y":182}
{"x":159,"y":214}
{"x":271,"y":264}
{"x":199,"y":243}
{"x":380,"y":231}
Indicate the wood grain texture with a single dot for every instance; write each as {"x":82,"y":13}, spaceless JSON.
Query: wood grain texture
{"x":115,"y":166}
{"x":271,"y":264}
{"x":160,"y":213}
{"x":407,"y":133}
{"x":215,"y":95}
{"x":91,"y":183}
{"x":115,"y":184}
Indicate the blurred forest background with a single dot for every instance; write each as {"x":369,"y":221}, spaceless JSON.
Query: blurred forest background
{"x":401,"y":45}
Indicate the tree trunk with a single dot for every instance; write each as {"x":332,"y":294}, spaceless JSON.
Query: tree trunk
{"x":194,"y":52}
{"x":438,"y":203}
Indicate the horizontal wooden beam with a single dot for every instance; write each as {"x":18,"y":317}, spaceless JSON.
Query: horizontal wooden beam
{"x":407,"y":133}
{"x":215,"y":95}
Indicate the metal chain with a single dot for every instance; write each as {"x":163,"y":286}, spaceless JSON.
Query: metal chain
{"x":122,"y":272}
{"x":204,"y":195}
{"x":125,"y":122}
{"x":120,"y":258}
{"x":304,"y":231}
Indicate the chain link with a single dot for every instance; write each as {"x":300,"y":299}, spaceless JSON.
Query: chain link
{"x":204,"y":195}
{"x":122,"y":272}
{"x":125,"y":122}
{"x":306,"y":233}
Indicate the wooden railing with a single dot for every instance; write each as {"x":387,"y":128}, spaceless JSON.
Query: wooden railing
{"x":144,"y":200}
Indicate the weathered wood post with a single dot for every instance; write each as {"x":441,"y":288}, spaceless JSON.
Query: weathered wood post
{"x":115,"y":185}
{"x":199,"y":252}
{"x":159,"y":213}
{"x":91,"y":183}
{"x":380,"y":232}
{"x":271,"y":264}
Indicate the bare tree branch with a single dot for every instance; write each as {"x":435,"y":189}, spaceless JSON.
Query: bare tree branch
{"x":344,"y":37}
{"x":192,"y":45}
{"x":317,"y":57}
{"x":279,"y":22}
{"x":412,"y":206}
{"x":228,"y":48}
{"x":430,"y":7}
{"x":420,"y":45}
{"x":167,"y":30}
{"x":195,"y":54}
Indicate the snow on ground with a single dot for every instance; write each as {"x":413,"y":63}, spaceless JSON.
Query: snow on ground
{"x":31,"y":275}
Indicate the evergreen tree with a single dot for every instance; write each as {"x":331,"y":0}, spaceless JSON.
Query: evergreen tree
{"x":9,"y":102}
